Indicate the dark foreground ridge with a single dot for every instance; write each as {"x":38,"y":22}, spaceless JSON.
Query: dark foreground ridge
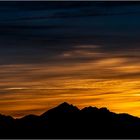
{"x":67,"y":121}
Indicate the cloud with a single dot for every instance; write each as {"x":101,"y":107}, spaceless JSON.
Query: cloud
{"x":105,"y":81}
{"x":86,"y":54}
{"x":37,"y":40}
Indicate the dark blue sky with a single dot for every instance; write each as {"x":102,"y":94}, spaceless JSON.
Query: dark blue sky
{"x":32,"y":32}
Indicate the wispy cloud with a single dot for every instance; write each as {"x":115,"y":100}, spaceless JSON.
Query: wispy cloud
{"x":84,"y":53}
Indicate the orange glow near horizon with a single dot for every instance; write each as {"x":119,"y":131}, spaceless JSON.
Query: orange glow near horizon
{"x":112,"y":82}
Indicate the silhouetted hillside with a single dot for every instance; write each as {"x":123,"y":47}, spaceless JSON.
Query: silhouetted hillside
{"x":67,"y":121}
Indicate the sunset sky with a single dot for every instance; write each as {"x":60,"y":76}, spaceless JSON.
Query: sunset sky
{"x":84,"y":53}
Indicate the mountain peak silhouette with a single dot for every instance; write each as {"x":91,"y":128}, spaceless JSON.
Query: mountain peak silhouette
{"x":62,"y":108}
{"x":89,"y":109}
{"x":66,"y":107}
{"x":64,"y":104}
{"x":4,"y":117}
{"x":104,"y":109}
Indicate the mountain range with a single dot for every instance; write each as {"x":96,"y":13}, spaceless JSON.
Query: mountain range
{"x":67,"y":121}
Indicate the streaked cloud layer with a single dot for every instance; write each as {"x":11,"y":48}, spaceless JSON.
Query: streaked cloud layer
{"x":86,"y":53}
